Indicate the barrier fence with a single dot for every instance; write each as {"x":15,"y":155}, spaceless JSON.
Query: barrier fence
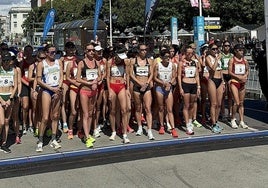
{"x":253,"y":87}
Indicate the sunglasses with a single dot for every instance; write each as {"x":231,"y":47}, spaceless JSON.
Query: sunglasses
{"x":214,"y":49}
{"x":90,"y":50}
{"x":52,"y":52}
{"x":143,"y":49}
{"x":166,"y":56}
{"x":41,"y":57}
{"x":226,"y":45}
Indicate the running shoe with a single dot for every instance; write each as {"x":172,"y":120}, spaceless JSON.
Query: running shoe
{"x":150,"y":135}
{"x":216,"y":129}
{"x":196,"y":124}
{"x":39,"y":147}
{"x":92,"y":139}
{"x":140,"y":131}
{"x":189,"y":130}
{"x":126,"y":140}
{"x":30,"y":129}
{"x":36,"y":132}
{"x":129,"y":129}
{"x":243,"y":125}
{"x":169,"y":126}
{"x":89,"y":143}
{"x":24,"y":132}
{"x":5,"y":149}
{"x":80,"y":134}
{"x":174,"y":133}
{"x":112,"y":137}
{"x":49,"y":133}
{"x":161,"y":130}
{"x":70,"y":134}
{"x":54,"y":144}
{"x":65,"y":127}
{"x":233,"y":124}
{"x":18,"y":140}
{"x":96,"y":133}
{"x":143,"y":120}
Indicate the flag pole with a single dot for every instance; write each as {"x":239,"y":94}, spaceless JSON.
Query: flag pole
{"x":200,"y":7}
{"x":111,"y":29}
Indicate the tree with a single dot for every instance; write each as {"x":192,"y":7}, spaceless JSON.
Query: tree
{"x":130,"y":13}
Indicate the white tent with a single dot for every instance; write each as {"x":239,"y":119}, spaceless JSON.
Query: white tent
{"x":237,"y":29}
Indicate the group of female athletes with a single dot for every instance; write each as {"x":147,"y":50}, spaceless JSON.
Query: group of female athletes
{"x":82,"y":93}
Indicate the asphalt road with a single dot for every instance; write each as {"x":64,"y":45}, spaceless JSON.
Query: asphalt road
{"x":239,"y":167}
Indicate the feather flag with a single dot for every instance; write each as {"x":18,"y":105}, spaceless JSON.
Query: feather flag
{"x":205,"y":3}
{"x":49,"y":22}
{"x":150,"y":7}
{"x":96,"y":16}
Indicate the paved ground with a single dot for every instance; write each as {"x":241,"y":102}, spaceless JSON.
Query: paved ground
{"x":256,"y":118}
{"x":240,"y":167}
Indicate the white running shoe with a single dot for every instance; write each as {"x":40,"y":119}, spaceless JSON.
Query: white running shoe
{"x":112,"y":137}
{"x":97,"y":133}
{"x":233,"y":124}
{"x":243,"y":125}
{"x":39,"y":147}
{"x":150,"y":135}
{"x":54,"y":144}
{"x":126,"y":140}
{"x":140,"y":131}
{"x":168,"y":126}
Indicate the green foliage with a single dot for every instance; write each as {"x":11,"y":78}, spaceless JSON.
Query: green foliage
{"x":130,"y":13}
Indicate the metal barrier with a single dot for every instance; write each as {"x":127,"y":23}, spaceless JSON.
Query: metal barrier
{"x":253,"y":84}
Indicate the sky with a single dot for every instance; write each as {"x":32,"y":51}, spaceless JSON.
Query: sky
{"x":5,"y":5}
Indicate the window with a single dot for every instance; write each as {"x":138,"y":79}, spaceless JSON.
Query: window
{"x":25,"y":16}
{"x":15,"y":24}
{"x":15,"y":16}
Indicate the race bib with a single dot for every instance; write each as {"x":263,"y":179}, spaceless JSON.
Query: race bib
{"x":219,"y":65}
{"x":6,"y":80}
{"x":117,"y":71}
{"x":190,"y":72}
{"x":142,"y":71}
{"x":53,"y":78}
{"x":225,"y":63}
{"x":240,"y":69}
{"x":91,"y":74}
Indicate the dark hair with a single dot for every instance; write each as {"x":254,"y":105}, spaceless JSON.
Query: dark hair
{"x":69,"y":45}
{"x":163,"y":52}
{"x":46,"y":48}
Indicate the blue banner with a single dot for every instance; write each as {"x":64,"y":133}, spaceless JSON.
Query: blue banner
{"x":49,"y":22}
{"x":150,"y":7}
{"x":199,"y":32}
{"x":174,"y":30}
{"x":96,"y":17}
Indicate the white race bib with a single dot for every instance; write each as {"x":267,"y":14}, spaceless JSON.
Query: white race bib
{"x":142,"y":71}
{"x":91,"y":74}
{"x":26,"y":73}
{"x":6,"y":80}
{"x":117,"y":71}
{"x":190,"y":72}
{"x":53,"y":78}
{"x":240,"y":68}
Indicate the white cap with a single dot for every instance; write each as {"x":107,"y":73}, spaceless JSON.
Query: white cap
{"x":122,"y":55}
{"x":98,"y":48}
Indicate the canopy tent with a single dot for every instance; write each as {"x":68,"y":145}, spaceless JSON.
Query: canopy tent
{"x":237,"y":29}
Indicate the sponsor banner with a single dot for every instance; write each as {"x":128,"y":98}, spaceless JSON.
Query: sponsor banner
{"x":150,"y":7}
{"x":49,"y":22}
{"x":96,"y":17}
